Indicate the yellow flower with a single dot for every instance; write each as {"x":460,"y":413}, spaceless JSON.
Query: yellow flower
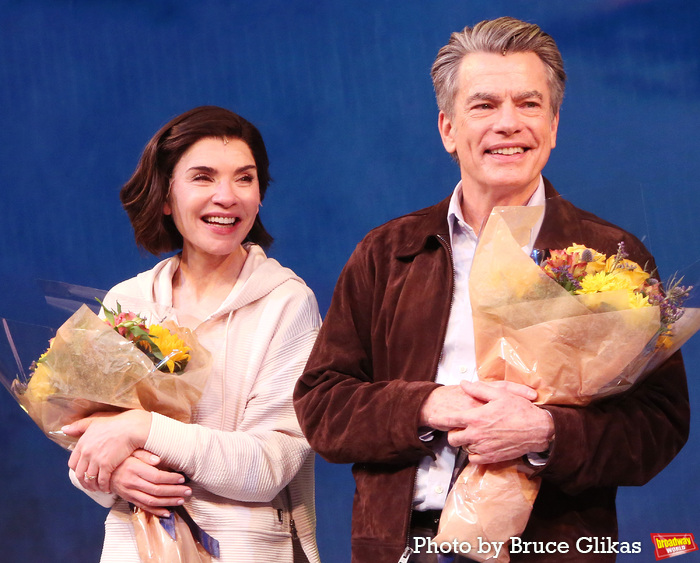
{"x":40,"y":387}
{"x":636,"y":275}
{"x":171,"y":346}
{"x":603,"y":281}
{"x":638,"y":300}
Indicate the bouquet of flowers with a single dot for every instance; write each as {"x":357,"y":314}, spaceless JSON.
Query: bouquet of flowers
{"x":580,"y":327}
{"x":122,"y":362}
{"x":93,"y":365}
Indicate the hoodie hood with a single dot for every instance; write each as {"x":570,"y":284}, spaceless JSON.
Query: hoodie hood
{"x":259,"y":276}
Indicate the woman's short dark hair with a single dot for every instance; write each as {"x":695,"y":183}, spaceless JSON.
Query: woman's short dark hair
{"x":144,"y":195}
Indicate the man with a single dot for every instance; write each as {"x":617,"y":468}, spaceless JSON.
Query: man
{"x":391,"y":384}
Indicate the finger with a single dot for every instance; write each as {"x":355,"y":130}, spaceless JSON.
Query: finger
{"x":143,"y":493}
{"x":144,"y":465}
{"x":160,"y":477}
{"x":167,"y":495}
{"x":516,"y":388}
{"x":146,"y":457}
{"x":459,"y":437}
{"x":74,"y":459}
{"x":155,"y":494}
{"x":149,"y":504}
{"x":486,"y":392}
{"x":103,"y":479}
{"x":77,"y":428}
{"x":80,"y":468}
{"x":519,"y":389}
{"x":92,"y":477}
{"x":479,"y":459}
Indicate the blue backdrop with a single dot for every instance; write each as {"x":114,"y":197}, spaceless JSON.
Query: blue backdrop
{"x":342,"y":94}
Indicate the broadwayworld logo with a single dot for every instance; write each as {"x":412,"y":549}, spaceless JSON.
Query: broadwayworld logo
{"x":670,"y":545}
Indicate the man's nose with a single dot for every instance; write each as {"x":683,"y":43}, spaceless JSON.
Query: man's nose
{"x":508,"y":119}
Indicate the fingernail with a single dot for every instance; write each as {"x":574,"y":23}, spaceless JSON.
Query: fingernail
{"x":188,"y":493}
{"x":180,"y":502}
{"x":180,"y":480}
{"x":154,"y":458}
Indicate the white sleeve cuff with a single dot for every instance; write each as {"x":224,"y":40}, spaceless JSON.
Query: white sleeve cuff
{"x":103,"y":499}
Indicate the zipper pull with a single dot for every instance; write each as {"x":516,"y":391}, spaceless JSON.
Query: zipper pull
{"x":406,"y":555}
{"x":293,"y":528}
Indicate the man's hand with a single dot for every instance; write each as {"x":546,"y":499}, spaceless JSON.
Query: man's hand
{"x":447,"y":406}
{"x":139,"y":481}
{"x":505,"y":426}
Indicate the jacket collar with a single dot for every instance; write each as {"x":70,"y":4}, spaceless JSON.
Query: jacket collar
{"x":561,"y":226}
{"x":431,"y":223}
{"x":559,"y":229}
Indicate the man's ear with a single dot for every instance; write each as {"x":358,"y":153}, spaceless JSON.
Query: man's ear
{"x":553,"y":130}
{"x":446,"y":132}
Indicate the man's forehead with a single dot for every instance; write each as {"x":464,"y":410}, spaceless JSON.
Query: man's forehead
{"x":518,"y":73}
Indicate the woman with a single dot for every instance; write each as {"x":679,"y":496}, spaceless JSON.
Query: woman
{"x":198,"y":187}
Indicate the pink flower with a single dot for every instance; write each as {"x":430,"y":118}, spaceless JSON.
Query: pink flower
{"x":125,"y":322}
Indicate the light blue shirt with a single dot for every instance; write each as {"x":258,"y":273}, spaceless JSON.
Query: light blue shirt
{"x":457,"y":361}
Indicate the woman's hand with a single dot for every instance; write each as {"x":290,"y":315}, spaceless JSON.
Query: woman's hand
{"x":138,"y":481}
{"x":106,"y":440}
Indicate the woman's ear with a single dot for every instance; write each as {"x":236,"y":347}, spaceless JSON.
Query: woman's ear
{"x":167,"y":209}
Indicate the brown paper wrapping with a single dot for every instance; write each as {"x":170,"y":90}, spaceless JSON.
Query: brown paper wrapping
{"x":571,"y":349}
{"x":156,"y":546}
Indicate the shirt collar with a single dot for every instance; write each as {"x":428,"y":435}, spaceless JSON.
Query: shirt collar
{"x":455,"y":216}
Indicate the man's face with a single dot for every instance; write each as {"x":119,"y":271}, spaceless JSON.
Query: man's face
{"x":502,"y":128}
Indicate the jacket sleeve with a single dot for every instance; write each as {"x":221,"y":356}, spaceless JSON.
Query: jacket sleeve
{"x":349,"y":407}
{"x":624,"y":440}
{"x":255,"y":462}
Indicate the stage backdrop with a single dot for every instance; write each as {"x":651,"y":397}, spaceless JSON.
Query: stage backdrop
{"x":342,"y":94}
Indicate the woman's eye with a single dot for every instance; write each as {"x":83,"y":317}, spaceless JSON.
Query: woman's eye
{"x":202,"y":178}
{"x":247,"y":179}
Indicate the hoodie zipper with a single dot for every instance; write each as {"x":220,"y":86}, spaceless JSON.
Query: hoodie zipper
{"x":409,"y":550}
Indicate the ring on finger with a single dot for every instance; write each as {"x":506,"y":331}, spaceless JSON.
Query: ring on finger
{"x":89,"y":477}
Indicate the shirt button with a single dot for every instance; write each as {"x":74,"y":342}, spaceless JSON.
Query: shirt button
{"x":463,"y":369}
{"x":439,"y":490}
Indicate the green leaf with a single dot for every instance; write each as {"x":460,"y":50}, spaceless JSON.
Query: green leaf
{"x":109,"y":314}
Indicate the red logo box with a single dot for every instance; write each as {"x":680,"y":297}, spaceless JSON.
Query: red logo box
{"x":670,"y":545}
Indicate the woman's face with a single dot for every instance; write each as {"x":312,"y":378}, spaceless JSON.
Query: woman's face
{"x":214,"y":196}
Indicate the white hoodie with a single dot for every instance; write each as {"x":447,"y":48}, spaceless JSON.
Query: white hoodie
{"x":244,"y":452}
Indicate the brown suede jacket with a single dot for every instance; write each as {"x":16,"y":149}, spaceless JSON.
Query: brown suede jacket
{"x":374,"y":364}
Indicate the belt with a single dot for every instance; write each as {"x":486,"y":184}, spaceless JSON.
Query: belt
{"x":428,"y":519}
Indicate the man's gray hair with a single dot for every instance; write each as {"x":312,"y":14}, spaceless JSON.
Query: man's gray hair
{"x":503,"y":35}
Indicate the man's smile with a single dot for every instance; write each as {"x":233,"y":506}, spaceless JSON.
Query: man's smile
{"x":508,"y":150}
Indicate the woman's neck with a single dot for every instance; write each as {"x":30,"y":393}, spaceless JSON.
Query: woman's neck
{"x":202,"y":282}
